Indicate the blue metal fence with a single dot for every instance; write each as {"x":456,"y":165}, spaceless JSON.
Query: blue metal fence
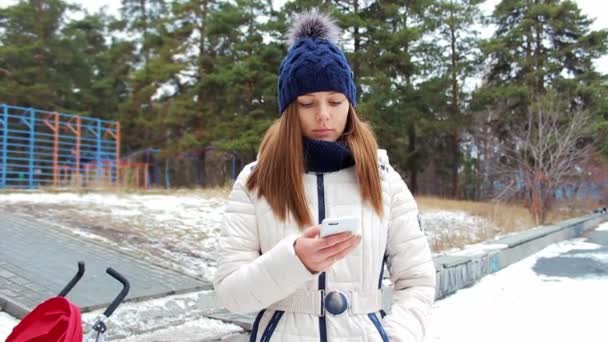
{"x":42,"y":148}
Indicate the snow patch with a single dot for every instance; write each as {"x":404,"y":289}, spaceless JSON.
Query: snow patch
{"x":179,"y":231}
{"x":7,"y":323}
{"x":524,"y":306}
{"x":603,"y":227}
{"x":203,"y":329}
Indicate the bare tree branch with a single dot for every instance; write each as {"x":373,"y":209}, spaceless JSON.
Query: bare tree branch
{"x":549,"y":150}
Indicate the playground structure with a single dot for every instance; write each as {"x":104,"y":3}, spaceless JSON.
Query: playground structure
{"x":49,"y":149}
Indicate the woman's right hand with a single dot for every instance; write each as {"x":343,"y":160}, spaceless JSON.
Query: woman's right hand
{"x":318,"y":254}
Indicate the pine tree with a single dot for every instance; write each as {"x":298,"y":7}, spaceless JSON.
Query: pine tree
{"x":538,"y":44}
{"x":34,"y":59}
{"x":145,"y":20}
{"x":247,"y":76}
{"x":539,"y":47}
{"x":459,"y":41}
{"x":100,"y":68}
{"x":395,"y":61}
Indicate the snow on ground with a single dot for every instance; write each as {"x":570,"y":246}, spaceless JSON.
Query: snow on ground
{"x":455,"y":228}
{"x":438,"y":223}
{"x":514,"y":304}
{"x":203,"y":329}
{"x":517,"y":304}
{"x":7,"y":323}
{"x":180,"y":231}
{"x":172,"y":318}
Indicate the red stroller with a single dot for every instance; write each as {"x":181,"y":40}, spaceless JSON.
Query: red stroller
{"x":58,"y":320}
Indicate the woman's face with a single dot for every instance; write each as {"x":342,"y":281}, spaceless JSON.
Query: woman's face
{"x":323,"y":114}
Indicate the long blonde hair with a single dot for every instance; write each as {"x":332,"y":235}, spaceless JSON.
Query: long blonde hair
{"x":277,"y":175}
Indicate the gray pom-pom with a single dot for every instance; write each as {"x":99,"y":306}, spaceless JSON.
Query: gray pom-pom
{"x":314,"y":24}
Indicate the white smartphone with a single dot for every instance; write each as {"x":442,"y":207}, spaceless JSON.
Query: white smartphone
{"x":335,"y":225}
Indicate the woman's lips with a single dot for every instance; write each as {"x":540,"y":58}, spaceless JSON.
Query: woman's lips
{"x":322,"y":132}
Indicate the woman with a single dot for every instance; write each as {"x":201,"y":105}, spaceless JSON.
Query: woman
{"x":320,"y":160}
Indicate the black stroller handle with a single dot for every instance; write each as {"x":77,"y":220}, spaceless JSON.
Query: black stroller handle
{"x":74,"y":280}
{"x":123,"y":293}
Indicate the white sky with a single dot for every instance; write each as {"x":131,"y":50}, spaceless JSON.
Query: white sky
{"x":594,"y":9}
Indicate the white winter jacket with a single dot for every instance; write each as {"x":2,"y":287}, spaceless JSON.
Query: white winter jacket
{"x":258,"y":270}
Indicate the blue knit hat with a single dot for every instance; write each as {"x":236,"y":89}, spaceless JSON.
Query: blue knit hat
{"x":314,"y":62}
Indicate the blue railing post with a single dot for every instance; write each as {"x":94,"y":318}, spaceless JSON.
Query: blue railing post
{"x":33,"y":150}
{"x":4,"y":146}
{"x":99,"y":137}
{"x":32,"y":125}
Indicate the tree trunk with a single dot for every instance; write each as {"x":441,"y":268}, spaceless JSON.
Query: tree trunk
{"x":455,"y":165}
{"x":413,"y":162}
{"x":540,"y":81}
{"x":455,"y":112}
{"x":356,"y":54}
{"x":202,"y":120}
{"x":145,"y":47}
{"x":204,"y":180}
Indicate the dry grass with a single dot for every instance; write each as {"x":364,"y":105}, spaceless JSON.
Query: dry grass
{"x":568,"y":209}
{"x":446,"y":241}
{"x":505,"y":218}
{"x":508,"y":217}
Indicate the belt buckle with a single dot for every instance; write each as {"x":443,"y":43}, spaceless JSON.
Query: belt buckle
{"x":334,"y":303}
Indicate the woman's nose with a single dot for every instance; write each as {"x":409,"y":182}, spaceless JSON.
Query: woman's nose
{"x":323,"y":114}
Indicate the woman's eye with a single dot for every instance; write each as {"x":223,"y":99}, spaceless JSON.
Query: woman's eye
{"x":306,"y":104}
{"x":334,"y":103}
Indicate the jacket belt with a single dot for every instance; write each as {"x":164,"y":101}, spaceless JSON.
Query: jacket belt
{"x":311,"y":302}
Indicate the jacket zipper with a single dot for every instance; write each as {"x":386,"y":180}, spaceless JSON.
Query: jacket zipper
{"x":322,"y":321}
{"x":256,"y":324}
{"x":321,"y":208}
{"x":382,"y":312}
{"x":379,"y":326}
{"x":274,"y":321}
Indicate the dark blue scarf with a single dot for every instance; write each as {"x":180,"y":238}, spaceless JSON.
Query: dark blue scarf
{"x":326,"y":156}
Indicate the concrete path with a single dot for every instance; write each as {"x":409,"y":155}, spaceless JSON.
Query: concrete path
{"x":578,"y":263}
{"x":38,"y":259}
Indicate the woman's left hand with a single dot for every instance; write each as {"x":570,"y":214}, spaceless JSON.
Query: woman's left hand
{"x":318,"y":254}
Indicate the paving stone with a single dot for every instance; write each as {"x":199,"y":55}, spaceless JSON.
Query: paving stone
{"x":39,"y":259}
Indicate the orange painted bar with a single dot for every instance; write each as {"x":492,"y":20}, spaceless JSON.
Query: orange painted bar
{"x":116,"y":137}
{"x":55,"y":129}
